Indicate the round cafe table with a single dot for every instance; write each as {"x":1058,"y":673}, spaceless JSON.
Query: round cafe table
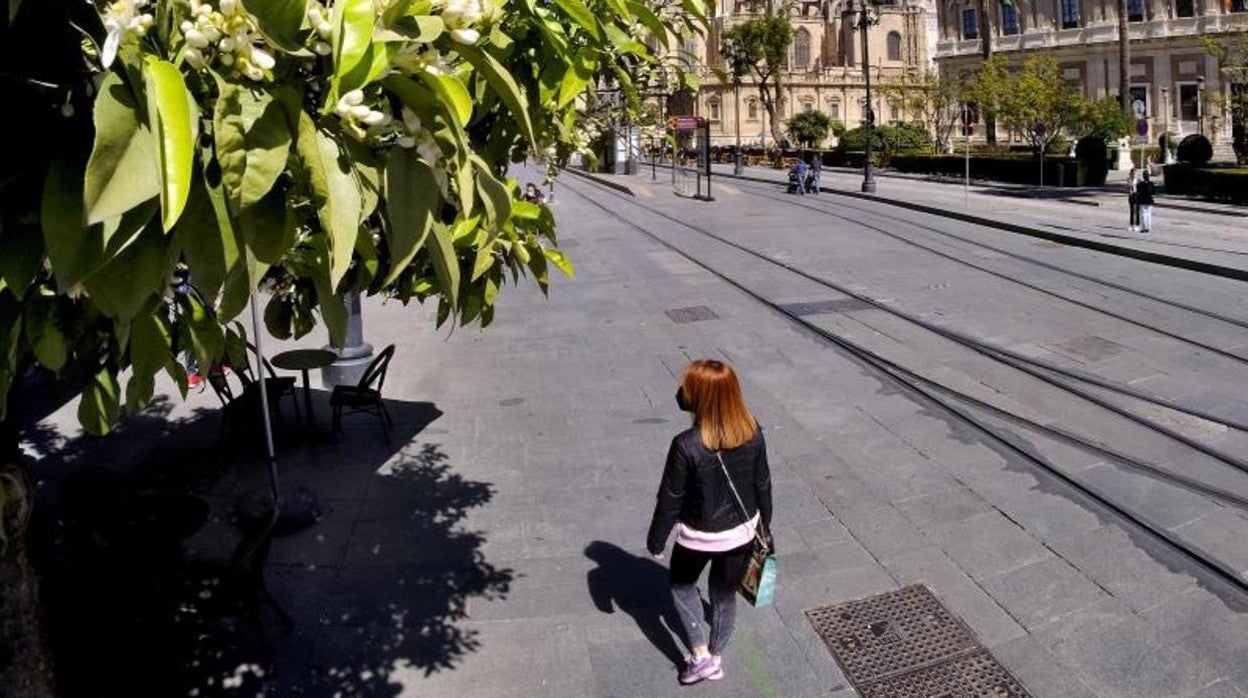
{"x":304,"y":360}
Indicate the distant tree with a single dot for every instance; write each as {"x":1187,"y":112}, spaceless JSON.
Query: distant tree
{"x":810,"y":128}
{"x":987,"y":87}
{"x":1104,"y":119}
{"x":936,"y":99}
{"x":762,"y":43}
{"x":1039,"y":104}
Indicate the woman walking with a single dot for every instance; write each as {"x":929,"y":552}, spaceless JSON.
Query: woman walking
{"x":697,"y":499}
{"x":1144,"y":193}
{"x":1133,"y":200}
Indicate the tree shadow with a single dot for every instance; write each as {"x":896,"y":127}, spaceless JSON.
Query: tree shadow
{"x":131,"y":535}
{"x":638,"y":586}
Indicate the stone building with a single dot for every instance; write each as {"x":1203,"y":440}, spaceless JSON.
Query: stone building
{"x":1180,"y":84}
{"x":824,"y":68}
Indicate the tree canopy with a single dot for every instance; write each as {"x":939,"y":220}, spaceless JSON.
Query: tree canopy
{"x":810,"y":128}
{"x":302,"y":147}
{"x":760,"y":44}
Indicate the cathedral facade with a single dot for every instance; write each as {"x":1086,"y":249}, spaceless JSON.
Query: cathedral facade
{"x":824,"y":70}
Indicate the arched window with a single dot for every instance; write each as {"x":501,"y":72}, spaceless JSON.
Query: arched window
{"x":894,"y":46}
{"x":801,"y":50}
{"x":751,"y":109}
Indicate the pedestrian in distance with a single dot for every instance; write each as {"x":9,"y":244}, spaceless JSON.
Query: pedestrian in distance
{"x":802,"y":170}
{"x":533,"y":195}
{"x":1144,"y":196}
{"x":697,"y":499}
{"x":816,"y":168}
{"x":795,"y":183}
{"x":1133,"y":204}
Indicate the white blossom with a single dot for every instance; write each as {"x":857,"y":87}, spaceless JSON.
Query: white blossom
{"x":465,"y":36}
{"x":123,"y":19}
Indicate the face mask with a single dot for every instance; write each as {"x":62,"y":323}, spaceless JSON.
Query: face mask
{"x":680,"y":401}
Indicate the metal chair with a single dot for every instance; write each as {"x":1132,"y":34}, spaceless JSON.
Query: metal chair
{"x":277,"y":386}
{"x":364,"y":397}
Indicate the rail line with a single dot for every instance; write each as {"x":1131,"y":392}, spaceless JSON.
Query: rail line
{"x":931,"y":391}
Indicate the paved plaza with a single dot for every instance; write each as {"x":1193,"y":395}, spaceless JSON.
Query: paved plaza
{"x":493,"y":544}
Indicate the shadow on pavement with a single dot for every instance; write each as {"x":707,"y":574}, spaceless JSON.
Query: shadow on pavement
{"x":639,"y":587}
{"x":132,"y":530}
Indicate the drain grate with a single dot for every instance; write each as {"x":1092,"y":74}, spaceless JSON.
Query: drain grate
{"x":841,"y":305}
{"x":697,"y":313}
{"x":906,"y":643}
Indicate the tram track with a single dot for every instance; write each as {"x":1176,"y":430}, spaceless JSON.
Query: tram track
{"x":953,"y":400}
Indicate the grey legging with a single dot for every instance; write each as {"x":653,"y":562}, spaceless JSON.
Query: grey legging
{"x":726,"y":570}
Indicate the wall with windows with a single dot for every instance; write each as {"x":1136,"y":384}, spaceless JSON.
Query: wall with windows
{"x":823,"y":69}
{"x":1170,"y":70}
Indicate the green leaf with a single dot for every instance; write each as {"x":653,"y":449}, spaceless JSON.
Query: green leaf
{"x":21,"y":255}
{"x":151,"y":343}
{"x":139,"y":391}
{"x":252,"y":134}
{"x":580,"y":14}
{"x":122,"y":172}
{"x":445,"y":263}
{"x":15,"y":6}
{"x":207,"y":340}
{"x":411,"y":203}
{"x":561,"y":261}
{"x":503,"y":84}
{"x":484,"y":261}
{"x":279,"y":21}
{"x":374,"y":64}
{"x":201,"y":241}
{"x":422,"y":29}
{"x":268,"y":227}
{"x":99,"y":407}
{"x":121,"y":287}
{"x":169,"y":108}
{"x":353,"y":22}
{"x":453,"y":94}
{"x":47,"y":342}
{"x":621,"y":8}
{"x":497,"y":197}
{"x":578,"y":75}
{"x":650,"y":20}
{"x":334,"y":191}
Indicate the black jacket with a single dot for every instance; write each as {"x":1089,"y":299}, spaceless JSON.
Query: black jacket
{"x":695,"y":492}
{"x":1144,"y":192}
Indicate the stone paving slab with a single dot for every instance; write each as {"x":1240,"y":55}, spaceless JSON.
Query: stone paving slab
{"x":493,"y":544}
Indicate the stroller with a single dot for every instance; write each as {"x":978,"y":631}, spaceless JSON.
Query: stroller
{"x":795,"y":181}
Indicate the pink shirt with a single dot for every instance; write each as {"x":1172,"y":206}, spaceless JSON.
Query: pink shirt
{"x":719,"y":541}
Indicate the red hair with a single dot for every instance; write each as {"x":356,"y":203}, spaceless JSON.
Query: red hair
{"x":713,"y":394}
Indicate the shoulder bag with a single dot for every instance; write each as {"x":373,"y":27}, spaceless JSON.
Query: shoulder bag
{"x":758,"y":584}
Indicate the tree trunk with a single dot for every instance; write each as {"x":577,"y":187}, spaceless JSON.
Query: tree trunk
{"x":25,"y":668}
{"x":1124,"y":56}
{"x":985,"y":39}
{"x":770,"y":107}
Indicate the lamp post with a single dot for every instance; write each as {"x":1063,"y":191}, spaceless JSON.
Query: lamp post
{"x":1165,"y":126}
{"x":737,"y":166}
{"x":865,"y":21}
{"x":1200,"y":103}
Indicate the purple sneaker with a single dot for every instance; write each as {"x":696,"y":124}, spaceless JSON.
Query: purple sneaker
{"x":697,"y":669}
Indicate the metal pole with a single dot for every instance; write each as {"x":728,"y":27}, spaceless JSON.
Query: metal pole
{"x":868,"y":175}
{"x":737,"y":166}
{"x":264,"y":402}
{"x":654,"y":167}
{"x":966,"y":132}
{"x":707,"y":148}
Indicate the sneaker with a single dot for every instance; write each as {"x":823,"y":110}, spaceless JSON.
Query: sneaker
{"x":719,"y":673}
{"x":697,"y":669}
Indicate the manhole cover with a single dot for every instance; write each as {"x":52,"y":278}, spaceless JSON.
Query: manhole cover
{"x":1090,"y":348}
{"x":906,"y":643}
{"x":842,"y":305}
{"x":697,"y":313}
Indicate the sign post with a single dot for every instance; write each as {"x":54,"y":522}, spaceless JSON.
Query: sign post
{"x":701,"y":129}
{"x":1040,"y":130}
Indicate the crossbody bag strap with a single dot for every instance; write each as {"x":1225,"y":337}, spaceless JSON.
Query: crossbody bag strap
{"x":745,"y":513}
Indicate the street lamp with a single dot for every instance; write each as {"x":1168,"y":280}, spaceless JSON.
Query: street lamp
{"x":1200,"y":103}
{"x":737,"y":167}
{"x":865,"y":21}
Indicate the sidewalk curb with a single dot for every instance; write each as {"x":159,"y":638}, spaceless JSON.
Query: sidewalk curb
{"x":592,"y":176}
{"x":1225,"y":272}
